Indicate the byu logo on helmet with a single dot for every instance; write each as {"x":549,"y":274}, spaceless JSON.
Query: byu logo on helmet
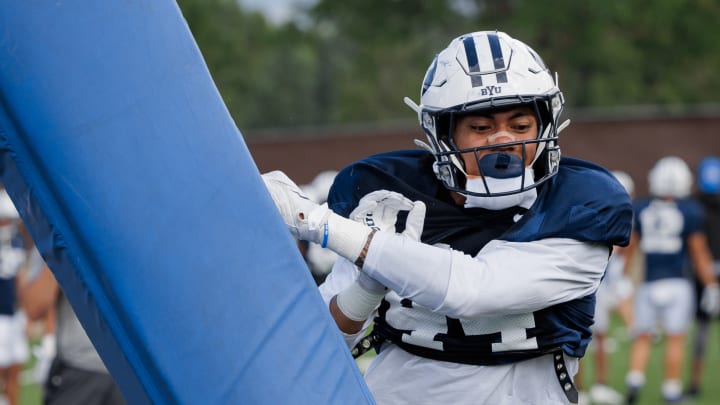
{"x":491,"y":90}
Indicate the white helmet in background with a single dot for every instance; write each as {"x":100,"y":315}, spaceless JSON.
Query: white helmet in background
{"x":670,"y":177}
{"x":483,"y":71}
{"x":626,"y":181}
{"x":317,"y":190}
{"x":9,"y":223}
{"x":7,"y":208}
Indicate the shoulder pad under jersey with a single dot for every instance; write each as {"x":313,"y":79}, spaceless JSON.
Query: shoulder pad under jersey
{"x":583,"y":202}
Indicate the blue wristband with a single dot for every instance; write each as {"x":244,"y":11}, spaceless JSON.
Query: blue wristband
{"x":325,"y":235}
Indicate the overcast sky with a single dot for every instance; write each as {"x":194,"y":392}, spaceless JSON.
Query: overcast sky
{"x":278,"y":11}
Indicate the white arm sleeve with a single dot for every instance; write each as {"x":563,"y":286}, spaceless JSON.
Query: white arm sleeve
{"x":504,"y":278}
{"x":343,"y":274}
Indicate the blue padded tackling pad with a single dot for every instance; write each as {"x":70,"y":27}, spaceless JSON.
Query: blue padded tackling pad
{"x":142,"y":196}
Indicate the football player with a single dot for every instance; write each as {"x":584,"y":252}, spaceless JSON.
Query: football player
{"x":668,"y":230}
{"x":708,"y":173}
{"x":614,"y":294}
{"x":14,"y":349}
{"x":476,"y":258}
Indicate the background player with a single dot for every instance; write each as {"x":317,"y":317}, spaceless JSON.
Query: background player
{"x":708,"y":174}
{"x":668,"y":229}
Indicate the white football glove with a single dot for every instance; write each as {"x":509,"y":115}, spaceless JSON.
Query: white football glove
{"x":415,"y":221}
{"x":305,"y":219}
{"x":710,"y":300}
{"x":378,"y":210}
{"x":309,"y":221}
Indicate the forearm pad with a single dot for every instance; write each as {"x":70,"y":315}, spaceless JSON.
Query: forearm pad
{"x":361,"y":298}
{"x":356,"y":303}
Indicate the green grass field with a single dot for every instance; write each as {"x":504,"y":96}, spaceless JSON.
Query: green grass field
{"x":654,"y":373}
{"x":32,"y":395}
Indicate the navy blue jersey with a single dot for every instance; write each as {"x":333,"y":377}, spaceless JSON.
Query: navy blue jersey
{"x":663,"y":226}
{"x":8,"y":293}
{"x":7,"y":296}
{"x":582,"y":202}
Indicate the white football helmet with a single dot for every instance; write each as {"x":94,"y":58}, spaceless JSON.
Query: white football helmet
{"x":626,"y":181}
{"x":9,"y":222}
{"x":480,"y":71}
{"x":670,"y":177}
{"x":7,"y":208}
{"x":318,"y":189}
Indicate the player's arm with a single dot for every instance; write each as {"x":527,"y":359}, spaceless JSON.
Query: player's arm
{"x":622,"y":283}
{"x":504,"y":278}
{"x":629,"y":252}
{"x":345,"y":324}
{"x":38,"y":296}
{"x":341,"y":280}
{"x":348,"y":237}
{"x":702,"y":262}
{"x":701,"y":258}
{"x":508,"y":278}
{"x":353,"y":304}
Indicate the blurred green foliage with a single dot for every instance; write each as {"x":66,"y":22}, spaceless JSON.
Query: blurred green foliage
{"x":354,"y":60}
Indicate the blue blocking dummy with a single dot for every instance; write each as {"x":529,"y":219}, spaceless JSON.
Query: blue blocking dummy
{"x":142,"y":196}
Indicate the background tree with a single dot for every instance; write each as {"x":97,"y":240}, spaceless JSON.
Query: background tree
{"x":353,"y":61}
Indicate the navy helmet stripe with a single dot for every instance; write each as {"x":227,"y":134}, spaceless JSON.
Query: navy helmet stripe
{"x":472,"y":60}
{"x":497,"y":56}
{"x":429,"y":76}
